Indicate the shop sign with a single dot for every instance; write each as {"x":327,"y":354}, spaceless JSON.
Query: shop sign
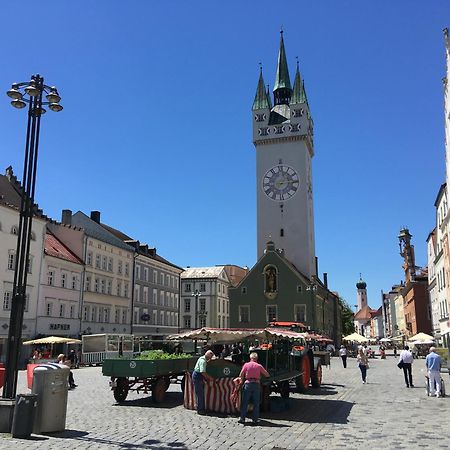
{"x":59,"y":326}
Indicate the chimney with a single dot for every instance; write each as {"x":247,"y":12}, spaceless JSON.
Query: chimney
{"x":325,"y":279}
{"x":66,"y":217}
{"x":95,"y":216}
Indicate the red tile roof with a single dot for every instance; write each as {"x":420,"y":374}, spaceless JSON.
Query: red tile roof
{"x":364,"y":313}
{"x":54,"y":247}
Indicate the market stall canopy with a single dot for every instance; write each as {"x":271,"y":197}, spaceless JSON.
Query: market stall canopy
{"x":229,"y":335}
{"x":52,"y":340}
{"x":355,"y":337}
{"x":421,"y":337}
{"x":428,"y":342}
{"x":385,"y":340}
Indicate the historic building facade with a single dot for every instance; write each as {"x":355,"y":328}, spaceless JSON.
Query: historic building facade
{"x":58,"y":311}
{"x":10,"y":198}
{"x":204,"y":298}
{"x":284,"y":284}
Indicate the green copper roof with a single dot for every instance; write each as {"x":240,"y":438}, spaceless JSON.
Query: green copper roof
{"x":261,"y":100}
{"x":282,"y":80}
{"x":268,"y":97}
{"x":298,"y":93}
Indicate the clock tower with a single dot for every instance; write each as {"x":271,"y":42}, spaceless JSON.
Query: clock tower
{"x":283,"y":138}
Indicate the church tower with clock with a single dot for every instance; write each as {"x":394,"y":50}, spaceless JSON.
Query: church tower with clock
{"x":283,"y":138}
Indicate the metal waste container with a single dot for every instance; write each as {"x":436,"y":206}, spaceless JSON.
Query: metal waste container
{"x":50,"y":383}
{"x":24,"y":413}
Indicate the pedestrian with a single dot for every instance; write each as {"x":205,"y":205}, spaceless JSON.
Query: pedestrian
{"x":72,"y":357}
{"x":433,"y":362}
{"x":343,"y":355}
{"x":395,"y":351}
{"x":199,"y":376}
{"x":406,"y":359}
{"x":251,"y":372}
{"x":363,"y":364}
{"x":62,"y":360}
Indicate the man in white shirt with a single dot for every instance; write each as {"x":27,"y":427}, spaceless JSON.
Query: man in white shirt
{"x":406,"y":357}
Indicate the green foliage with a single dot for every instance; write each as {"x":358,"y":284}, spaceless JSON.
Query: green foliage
{"x":156,"y":355}
{"x":444,"y":354}
{"x":348,"y":326}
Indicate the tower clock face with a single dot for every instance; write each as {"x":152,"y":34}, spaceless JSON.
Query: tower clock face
{"x":280,"y":182}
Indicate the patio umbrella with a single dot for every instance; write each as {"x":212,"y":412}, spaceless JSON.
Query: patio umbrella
{"x":385,"y":340}
{"x":355,"y":337}
{"x":421,"y":337}
{"x":52,"y":340}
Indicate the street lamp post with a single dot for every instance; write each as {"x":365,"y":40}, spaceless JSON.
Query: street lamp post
{"x":196,"y":294}
{"x":30,"y":92}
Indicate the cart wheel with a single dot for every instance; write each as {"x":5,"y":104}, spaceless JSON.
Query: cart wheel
{"x":121,"y":390}
{"x":167,"y":379}
{"x":284,"y":389}
{"x":265,"y":398}
{"x":159,"y":390}
{"x":302,"y":382}
{"x":316,"y":377}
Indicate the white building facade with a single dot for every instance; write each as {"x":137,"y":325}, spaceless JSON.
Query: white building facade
{"x":58,"y":311}
{"x":156,"y":294}
{"x":204,"y":298}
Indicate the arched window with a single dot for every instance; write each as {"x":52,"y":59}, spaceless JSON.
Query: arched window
{"x":14,"y":230}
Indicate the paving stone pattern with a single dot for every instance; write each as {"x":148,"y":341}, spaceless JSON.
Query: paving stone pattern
{"x":344,"y":413}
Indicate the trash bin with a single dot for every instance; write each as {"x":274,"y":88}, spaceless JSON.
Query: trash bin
{"x":50,"y":383}
{"x":24,"y":414}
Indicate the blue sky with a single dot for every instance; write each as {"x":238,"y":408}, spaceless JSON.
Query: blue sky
{"x":156,"y":130}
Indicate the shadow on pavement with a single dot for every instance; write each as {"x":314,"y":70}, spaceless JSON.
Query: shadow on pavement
{"x":323,"y":390}
{"x":149,"y":444}
{"x":313,"y":411}
{"x":171,"y":400}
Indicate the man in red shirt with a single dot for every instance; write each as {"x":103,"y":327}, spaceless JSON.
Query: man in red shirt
{"x":251,"y":372}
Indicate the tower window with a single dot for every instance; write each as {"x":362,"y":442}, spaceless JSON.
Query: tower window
{"x":281,"y":232}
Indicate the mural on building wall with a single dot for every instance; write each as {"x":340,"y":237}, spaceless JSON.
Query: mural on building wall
{"x":270,"y":281}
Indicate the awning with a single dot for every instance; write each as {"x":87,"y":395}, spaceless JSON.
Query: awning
{"x":52,"y":340}
{"x":229,"y":335}
{"x":355,"y":337}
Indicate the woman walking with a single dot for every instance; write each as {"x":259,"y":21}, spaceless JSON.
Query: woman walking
{"x":363,"y":363}
{"x":343,"y":355}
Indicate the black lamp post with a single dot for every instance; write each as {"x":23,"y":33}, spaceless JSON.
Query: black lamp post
{"x":196,"y":294}
{"x":30,"y":92}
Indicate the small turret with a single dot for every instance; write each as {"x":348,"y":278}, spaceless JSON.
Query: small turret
{"x":261,"y":99}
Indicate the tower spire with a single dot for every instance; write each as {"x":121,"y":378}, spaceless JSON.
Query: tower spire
{"x":261,"y":101}
{"x":297,"y":92}
{"x":282,"y":89}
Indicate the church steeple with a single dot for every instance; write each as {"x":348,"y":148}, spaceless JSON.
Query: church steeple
{"x":282,"y":89}
{"x":261,"y":100}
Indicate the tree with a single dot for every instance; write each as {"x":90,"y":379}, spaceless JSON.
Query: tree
{"x":347,"y":316}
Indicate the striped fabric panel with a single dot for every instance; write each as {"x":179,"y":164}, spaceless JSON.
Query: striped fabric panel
{"x":219,"y":397}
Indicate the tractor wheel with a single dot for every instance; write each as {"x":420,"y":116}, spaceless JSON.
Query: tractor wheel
{"x":302,"y":382}
{"x":316,"y":377}
{"x":265,"y":398}
{"x":285,"y":389}
{"x":159,"y":390}
{"x":120,"y":392}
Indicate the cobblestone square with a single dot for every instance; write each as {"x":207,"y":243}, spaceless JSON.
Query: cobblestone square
{"x":344,"y":413}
